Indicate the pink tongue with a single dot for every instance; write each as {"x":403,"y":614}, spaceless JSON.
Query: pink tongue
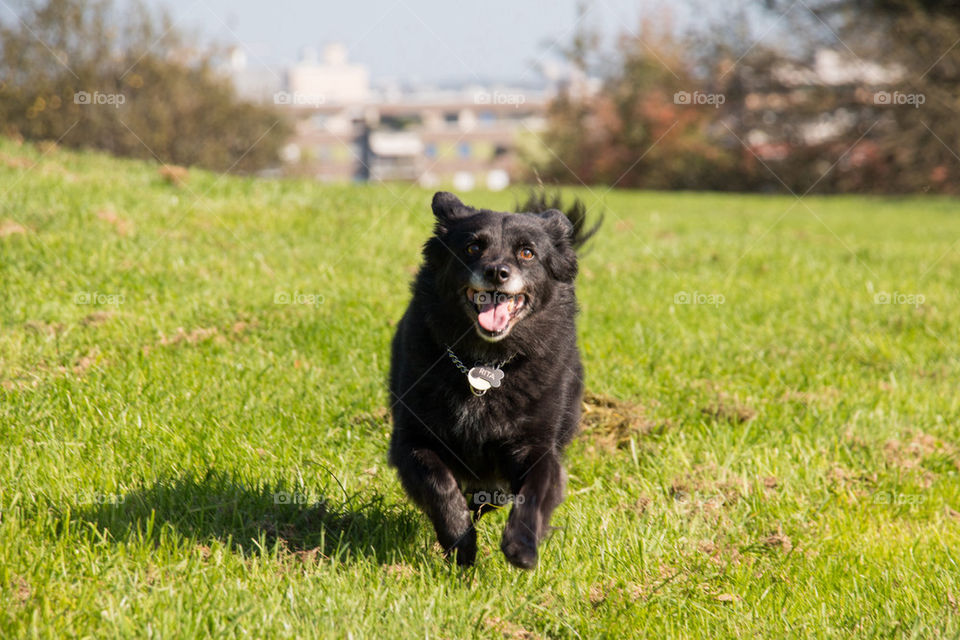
{"x":494,"y":317}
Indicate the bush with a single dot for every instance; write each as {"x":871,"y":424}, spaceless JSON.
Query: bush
{"x":129,"y":85}
{"x":637,"y":130}
{"x":882,"y":121}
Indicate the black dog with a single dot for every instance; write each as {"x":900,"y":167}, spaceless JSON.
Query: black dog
{"x":485,"y":377}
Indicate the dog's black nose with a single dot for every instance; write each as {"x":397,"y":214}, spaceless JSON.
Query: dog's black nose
{"x":498,"y":273}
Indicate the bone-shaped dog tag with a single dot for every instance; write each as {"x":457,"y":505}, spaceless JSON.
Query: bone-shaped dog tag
{"x":485,"y":377}
{"x":478,"y":383}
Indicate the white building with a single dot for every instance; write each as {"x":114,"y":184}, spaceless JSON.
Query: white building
{"x":333,"y":80}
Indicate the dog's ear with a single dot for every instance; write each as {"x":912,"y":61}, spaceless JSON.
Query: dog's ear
{"x":447,"y":207}
{"x":562,"y":263}
{"x":557,"y":223}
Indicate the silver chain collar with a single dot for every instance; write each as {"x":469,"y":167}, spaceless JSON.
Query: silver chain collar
{"x":482,"y":376}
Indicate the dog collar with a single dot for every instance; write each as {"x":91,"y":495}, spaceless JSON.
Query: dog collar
{"x":482,"y":376}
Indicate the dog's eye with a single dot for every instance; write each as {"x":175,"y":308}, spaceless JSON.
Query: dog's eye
{"x":526,"y":254}
{"x":473,"y":249}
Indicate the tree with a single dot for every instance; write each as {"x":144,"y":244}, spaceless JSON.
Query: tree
{"x":82,"y":72}
{"x":645,"y":127}
{"x":902,"y":107}
{"x":837,"y":96}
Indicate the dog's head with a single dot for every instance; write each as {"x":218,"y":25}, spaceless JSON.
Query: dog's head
{"x":500,"y":270}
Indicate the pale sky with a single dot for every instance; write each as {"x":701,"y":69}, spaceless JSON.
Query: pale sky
{"x":418,"y":40}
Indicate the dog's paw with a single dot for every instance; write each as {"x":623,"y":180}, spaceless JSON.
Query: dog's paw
{"x":521,"y":551}
{"x":465,"y":557}
{"x":464,"y":550}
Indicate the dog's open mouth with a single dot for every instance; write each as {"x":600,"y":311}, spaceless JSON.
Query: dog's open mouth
{"x":496,"y":311}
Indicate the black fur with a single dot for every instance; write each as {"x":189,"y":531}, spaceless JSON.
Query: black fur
{"x":447,"y":443}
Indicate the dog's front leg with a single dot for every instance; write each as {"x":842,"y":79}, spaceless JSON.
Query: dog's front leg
{"x":431,"y":484}
{"x":538,"y":485}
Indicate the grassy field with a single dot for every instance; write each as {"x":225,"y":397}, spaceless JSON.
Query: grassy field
{"x":193,"y":426}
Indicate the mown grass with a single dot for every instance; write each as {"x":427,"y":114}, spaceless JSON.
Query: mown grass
{"x":193,"y":427}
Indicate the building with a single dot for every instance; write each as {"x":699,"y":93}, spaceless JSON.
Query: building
{"x":429,"y":141}
{"x":334,"y":80}
{"x":346,"y":130}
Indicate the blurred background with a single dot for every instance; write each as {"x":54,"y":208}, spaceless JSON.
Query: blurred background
{"x":760,"y":95}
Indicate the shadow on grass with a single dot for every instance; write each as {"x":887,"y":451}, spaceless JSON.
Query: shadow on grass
{"x":252,"y":520}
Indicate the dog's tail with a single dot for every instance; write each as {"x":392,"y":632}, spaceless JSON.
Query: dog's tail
{"x":540,"y":201}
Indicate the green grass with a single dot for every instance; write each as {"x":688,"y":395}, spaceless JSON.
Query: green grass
{"x":791,"y":468}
